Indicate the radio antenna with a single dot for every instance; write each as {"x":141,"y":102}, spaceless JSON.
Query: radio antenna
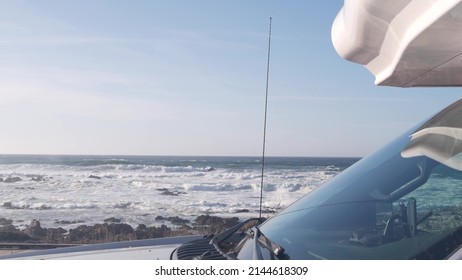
{"x":264,"y":124}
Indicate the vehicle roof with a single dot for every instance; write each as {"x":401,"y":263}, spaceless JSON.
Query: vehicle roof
{"x":404,"y":43}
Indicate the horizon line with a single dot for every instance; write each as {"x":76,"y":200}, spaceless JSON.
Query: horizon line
{"x":158,"y":155}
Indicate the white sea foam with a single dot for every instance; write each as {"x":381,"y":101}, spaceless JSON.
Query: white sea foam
{"x":137,"y":193}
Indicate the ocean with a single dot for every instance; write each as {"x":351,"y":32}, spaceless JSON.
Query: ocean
{"x":68,"y":191}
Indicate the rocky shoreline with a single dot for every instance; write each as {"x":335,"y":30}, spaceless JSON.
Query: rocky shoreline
{"x":112,"y":230}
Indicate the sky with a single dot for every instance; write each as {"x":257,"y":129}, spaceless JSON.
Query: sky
{"x":182,"y":77}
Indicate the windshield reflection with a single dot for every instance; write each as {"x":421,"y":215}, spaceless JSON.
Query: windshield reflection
{"x":402,"y":202}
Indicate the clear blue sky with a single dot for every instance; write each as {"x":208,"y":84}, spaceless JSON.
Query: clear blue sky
{"x":188,"y":78}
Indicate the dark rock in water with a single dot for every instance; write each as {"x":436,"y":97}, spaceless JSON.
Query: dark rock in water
{"x":177,"y":220}
{"x":9,"y":205}
{"x":112,"y":220}
{"x":64,"y":222}
{"x":165,"y":191}
{"x":242,"y":211}
{"x":268,"y":211}
{"x":94,"y":177}
{"x":160,"y":218}
{"x":174,"y":220}
{"x":5,"y":222}
{"x":12,"y":179}
{"x":22,"y":188}
{"x":169,"y":193}
{"x":38,"y":178}
{"x":209,"y":168}
{"x":172,"y":193}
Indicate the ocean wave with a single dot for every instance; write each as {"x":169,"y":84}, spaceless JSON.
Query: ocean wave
{"x":43,"y":170}
{"x":123,"y":205}
{"x":83,"y":205}
{"x":209,"y":204}
{"x":129,"y":188}
{"x":99,"y":162}
{"x":216,"y":187}
{"x":25,"y":206}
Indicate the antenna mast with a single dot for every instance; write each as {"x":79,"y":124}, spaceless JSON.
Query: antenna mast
{"x":264,"y":124}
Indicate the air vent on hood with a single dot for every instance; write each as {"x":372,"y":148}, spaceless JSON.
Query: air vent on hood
{"x":198,"y":249}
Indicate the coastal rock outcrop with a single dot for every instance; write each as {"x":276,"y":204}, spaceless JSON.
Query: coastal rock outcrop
{"x":112,"y":230}
{"x":215,"y":224}
{"x":15,"y":237}
{"x":9,"y":233}
{"x":144,"y":232}
{"x":48,"y":235}
{"x":100,"y":233}
{"x":174,"y":220}
{"x":112,"y":220}
{"x":34,"y":230}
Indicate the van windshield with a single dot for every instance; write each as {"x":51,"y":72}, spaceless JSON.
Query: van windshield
{"x":403,"y":202}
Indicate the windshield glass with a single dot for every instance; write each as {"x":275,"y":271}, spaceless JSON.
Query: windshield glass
{"x":403,"y":202}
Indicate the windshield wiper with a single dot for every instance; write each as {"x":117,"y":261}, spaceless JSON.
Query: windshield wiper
{"x":260,"y":239}
{"x":227,"y":233}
